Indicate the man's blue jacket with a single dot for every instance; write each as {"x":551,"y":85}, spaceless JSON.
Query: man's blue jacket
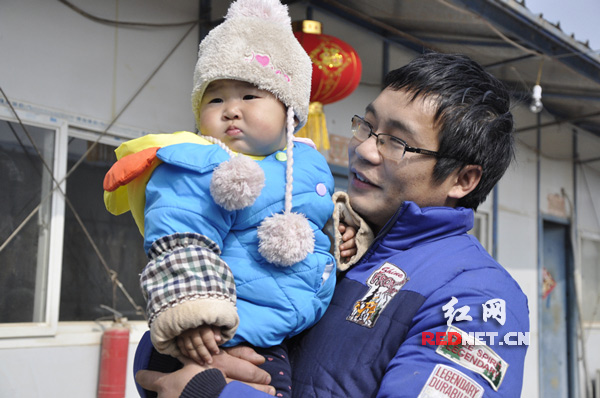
{"x":383,"y":334}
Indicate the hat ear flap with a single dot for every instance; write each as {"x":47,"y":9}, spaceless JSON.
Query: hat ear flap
{"x":286,"y":239}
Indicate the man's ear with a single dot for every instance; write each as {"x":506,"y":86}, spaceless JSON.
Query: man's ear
{"x":466,"y":180}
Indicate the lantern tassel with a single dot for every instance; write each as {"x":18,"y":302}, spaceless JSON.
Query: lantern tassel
{"x":316,"y":126}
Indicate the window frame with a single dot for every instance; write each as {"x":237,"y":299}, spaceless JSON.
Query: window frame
{"x":485,"y":229}
{"x":594,"y":237}
{"x":64,"y":128}
{"x":49,"y":310}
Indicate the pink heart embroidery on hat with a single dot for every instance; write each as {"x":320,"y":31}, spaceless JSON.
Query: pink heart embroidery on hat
{"x":265,"y":61}
{"x":262,"y":59}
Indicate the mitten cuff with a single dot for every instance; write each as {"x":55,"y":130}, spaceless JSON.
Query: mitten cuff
{"x":343,"y":213}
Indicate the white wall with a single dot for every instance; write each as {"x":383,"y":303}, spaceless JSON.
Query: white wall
{"x":53,"y":56}
{"x":65,"y":365}
{"x":517,"y":246}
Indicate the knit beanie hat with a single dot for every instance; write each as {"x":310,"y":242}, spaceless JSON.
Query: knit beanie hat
{"x":256,"y":44}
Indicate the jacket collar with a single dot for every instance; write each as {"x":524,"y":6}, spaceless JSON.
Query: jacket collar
{"x":412,"y":225}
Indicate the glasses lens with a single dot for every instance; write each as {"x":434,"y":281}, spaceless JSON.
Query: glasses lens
{"x":390,"y":147}
{"x":360,"y":129}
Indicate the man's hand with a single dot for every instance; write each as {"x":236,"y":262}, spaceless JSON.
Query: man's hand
{"x":236,"y":363}
{"x":169,"y":385}
{"x":241,"y":363}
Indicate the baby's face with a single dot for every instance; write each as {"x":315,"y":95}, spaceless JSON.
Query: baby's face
{"x":246,"y":119}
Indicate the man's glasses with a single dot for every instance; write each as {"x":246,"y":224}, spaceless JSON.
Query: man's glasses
{"x":389,"y":147}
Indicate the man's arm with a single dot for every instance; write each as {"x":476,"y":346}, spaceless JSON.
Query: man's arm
{"x":478,"y":355}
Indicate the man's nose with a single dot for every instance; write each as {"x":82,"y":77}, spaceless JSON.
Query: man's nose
{"x":367,"y":150}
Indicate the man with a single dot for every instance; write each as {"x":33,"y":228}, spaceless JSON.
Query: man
{"x":439,"y":317}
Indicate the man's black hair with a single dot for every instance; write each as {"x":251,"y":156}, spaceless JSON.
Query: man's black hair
{"x":473,"y":116}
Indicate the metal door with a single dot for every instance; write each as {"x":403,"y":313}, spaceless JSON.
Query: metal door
{"x":554,"y":312}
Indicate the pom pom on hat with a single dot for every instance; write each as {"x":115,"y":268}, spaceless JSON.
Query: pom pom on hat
{"x":271,"y":10}
{"x":237,"y":183}
{"x":285,"y":239}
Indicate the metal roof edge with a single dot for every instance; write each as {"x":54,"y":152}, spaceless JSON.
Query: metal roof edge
{"x":553,"y":28}
{"x":539,"y":34}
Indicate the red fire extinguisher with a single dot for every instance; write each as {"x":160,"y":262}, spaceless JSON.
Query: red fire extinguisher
{"x":113,"y":360}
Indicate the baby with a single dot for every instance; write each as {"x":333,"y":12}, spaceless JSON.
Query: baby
{"x":233,"y":227}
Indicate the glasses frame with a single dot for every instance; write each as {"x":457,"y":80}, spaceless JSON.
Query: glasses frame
{"x":407,"y":148}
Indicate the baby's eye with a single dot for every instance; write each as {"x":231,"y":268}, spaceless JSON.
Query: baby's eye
{"x":215,"y":101}
{"x":250,"y":96}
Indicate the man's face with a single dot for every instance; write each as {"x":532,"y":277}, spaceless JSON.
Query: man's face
{"x":378,"y":186}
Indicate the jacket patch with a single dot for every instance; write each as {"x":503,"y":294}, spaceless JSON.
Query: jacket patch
{"x":475,"y":355}
{"x":383,"y":285}
{"x":446,"y":381}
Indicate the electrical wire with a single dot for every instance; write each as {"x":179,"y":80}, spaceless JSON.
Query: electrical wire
{"x":544,"y":155}
{"x":539,"y":74}
{"x":124,"y":23}
{"x":493,"y":28}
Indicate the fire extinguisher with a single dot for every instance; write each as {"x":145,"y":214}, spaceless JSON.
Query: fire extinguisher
{"x":113,"y":360}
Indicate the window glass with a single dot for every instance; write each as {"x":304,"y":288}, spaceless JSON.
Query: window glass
{"x":480,"y":230}
{"x":86,"y":281}
{"x":25,"y":195}
{"x":340,"y":177}
{"x":590,"y":273}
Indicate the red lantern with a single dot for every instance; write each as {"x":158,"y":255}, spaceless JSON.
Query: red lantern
{"x":336,"y":74}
